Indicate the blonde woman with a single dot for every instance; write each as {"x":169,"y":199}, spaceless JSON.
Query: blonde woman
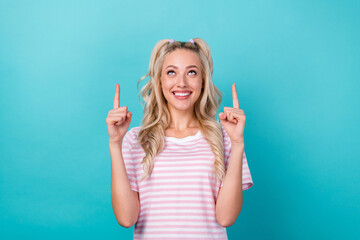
{"x":181,"y":173}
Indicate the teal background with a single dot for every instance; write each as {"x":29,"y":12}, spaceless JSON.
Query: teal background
{"x":296,"y":66}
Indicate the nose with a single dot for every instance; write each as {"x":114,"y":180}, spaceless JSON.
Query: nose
{"x":182,"y":80}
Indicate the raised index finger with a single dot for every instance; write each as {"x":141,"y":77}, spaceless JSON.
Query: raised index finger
{"x":235,"y":97}
{"x":117,"y":97}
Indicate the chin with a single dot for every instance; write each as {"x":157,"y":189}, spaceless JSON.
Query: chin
{"x":181,"y":107}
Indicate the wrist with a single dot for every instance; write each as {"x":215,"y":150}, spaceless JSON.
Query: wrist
{"x":239,"y":141}
{"x":115,"y":144}
{"x":237,"y":145}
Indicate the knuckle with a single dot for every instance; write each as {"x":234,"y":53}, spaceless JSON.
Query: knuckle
{"x":122,"y":109}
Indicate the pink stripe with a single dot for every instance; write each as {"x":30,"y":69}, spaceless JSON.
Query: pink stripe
{"x":200,"y":145}
{"x":181,"y":171}
{"x":165,"y":195}
{"x":166,"y":190}
{"x":200,"y":164}
{"x":153,"y":214}
{"x":179,"y":226}
{"x":178,"y":159}
{"x":185,"y":232}
{"x":143,"y":204}
{"x":174,"y":238}
{"x":172,"y":220}
{"x":179,"y":208}
{"x":159,"y":184}
{"x":182,"y":201}
{"x":181,"y":177}
{"x":180,"y":189}
{"x":177,"y":153}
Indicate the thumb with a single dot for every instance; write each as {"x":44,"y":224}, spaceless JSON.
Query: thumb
{"x":128,"y":116}
{"x":222,"y":116}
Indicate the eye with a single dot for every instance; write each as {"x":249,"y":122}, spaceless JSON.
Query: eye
{"x":192,"y":72}
{"x":171,"y":72}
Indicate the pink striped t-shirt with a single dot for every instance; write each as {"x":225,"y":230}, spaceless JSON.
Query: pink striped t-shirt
{"x":177,"y":200}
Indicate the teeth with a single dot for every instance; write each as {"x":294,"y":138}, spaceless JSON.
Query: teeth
{"x":181,"y":94}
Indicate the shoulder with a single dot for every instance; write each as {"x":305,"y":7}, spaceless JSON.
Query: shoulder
{"x":131,"y":135}
{"x":134,"y":131}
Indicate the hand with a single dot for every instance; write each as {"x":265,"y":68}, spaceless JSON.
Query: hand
{"x":233,"y":119}
{"x":118,"y":119}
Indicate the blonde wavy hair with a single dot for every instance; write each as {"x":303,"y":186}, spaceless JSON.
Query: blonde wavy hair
{"x":156,"y":113}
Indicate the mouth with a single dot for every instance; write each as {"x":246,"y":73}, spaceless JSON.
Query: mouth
{"x":181,"y":93}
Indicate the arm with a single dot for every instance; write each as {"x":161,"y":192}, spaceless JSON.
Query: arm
{"x":230,"y":197}
{"x":125,"y":201}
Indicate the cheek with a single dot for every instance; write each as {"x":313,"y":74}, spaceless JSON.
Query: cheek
{"x":197,"y":84}
{"x":165,"y":85}
{"x":165,"y":88}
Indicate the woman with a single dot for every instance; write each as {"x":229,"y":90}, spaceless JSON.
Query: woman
{"x":181,"y":173}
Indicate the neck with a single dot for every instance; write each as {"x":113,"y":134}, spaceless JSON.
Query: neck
{"x":181,"y":120}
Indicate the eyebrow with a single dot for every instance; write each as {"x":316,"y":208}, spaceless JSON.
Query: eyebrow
{"x":186,"y":67}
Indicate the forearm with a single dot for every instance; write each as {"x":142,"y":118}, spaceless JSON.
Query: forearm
{"x":124,"y":201}
{"x":230,"y":197}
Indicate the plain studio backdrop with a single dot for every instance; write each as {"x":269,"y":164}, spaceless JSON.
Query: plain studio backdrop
{"x":296,"y":67}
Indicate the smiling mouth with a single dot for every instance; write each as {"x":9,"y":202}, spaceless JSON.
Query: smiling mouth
{"x":181,"y":94}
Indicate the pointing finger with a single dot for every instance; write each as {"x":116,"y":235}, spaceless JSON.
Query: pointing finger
{"x":117,"y":97}
{"x":235,"y":97}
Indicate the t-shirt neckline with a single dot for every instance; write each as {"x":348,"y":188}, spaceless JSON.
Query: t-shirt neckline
{"x":185,"y":139}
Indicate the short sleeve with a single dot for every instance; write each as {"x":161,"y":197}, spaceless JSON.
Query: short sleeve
{"x":129,"y":159}
{"x":247,"y":181}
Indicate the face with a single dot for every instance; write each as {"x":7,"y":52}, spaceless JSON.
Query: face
{"x":181,"y":80}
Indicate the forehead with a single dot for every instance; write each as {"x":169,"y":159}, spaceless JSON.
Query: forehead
{"x":182,"y":57}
